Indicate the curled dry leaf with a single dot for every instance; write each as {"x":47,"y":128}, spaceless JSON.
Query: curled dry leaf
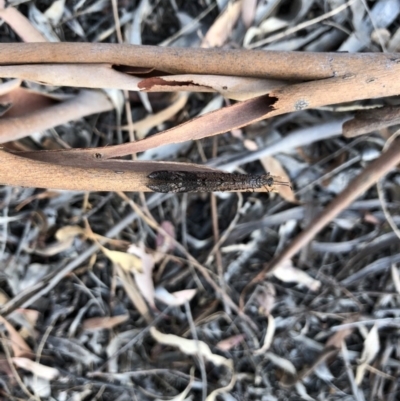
{"x":220,"y":31}
{"x":269,"y":336}
{"x":17,"y":343}
{"x":371,"y":348}
{"x":129,"y":263}
{"x":163,"y":242}
{"x":230,"y":342}
{"x":395,"y":278}
{"x":287,"y":273}
{"x":191,"y":347}
{"x":69,"y":232}
{"x":177,"y":298}
{"x":144,"y":277}
{"x":45,"y":372}
{"x":273,"y":166}
{"x":65,"y":238}
{"x":99,"y":323}
{"x":338,"y":337}
{"x":265,"y":297}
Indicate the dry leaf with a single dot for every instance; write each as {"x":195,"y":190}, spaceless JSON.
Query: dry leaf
{"x":287,"y":273}
{"x":45,"y":372}
{"x":17,"y":343}
{"x":371,"y":348}
{"x":337,"y":338}
{"x":269,"y":336}
{"x":99,"y":323}
{"x":248,"y":11}
{"x":9,"y":86}
{"x":273,"y":166}
{"x":55,"y":12}
{"x":133,"y":293}
{"x":129,"y":263}
{"x":191,"y":347}
{"x":144,"y":277}
{"x":395,"y":278}
{"x":265,"y":297}
{"x":69,"y":232}
{"x":221,"y":29}
{"x":177,"y":298}
{"x":230,"y":342}
{"x":283,"y":363}
{"x":164,"y":243}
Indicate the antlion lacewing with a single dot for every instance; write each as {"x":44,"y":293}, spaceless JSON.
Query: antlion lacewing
{"x":185,"y":181}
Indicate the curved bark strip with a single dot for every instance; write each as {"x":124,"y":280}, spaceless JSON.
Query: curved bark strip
{"x":240,"y":62}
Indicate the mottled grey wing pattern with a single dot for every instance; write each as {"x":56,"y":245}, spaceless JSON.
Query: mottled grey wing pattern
{"x":173,"y":181}
{"x":184,"y":181}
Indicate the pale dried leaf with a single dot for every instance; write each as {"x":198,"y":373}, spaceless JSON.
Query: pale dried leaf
{"x":395,"y":278}
{"x":67,"y":232}
{"x":273,"y":166}
{"x":21,"y":25}
{"x":191,"y":347}
{"x":302,"y":391}
{"x":45,"y":372}
{"x":248,"y":11}
{"x":177,"y":298}
{"x":129,"y":263}
{"x":165,"y":243}
{"x":55,"y":12}
{"x":230,"y":342}
{"x":143,"y":127}
{"x":42,"y":24}
{"x":17,"y":343}
{"x":4,"y":298}
{"x":371,"y":348}
{"x":6,"y":87}
{"x":337,"y":338}
{"x":30,"y":316}
{"x":144,"y":278}
{"x":220,"y":31}
{"x":265,"y":297}
{"x":269,"y":336}
{"x":250,"y":145}
{"x":99,"y":323}
{"x":133,"y":292}
{"x":41,"y":387}
{"x":283,"y":363}
{"x":287,"y":273}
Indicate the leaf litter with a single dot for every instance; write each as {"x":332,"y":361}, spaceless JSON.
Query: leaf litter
{"x":296,"y":297}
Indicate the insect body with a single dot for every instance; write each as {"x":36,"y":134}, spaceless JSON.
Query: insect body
{"x":184,"y":181}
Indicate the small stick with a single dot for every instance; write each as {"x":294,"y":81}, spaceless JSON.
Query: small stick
{"x":185,"y":181}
